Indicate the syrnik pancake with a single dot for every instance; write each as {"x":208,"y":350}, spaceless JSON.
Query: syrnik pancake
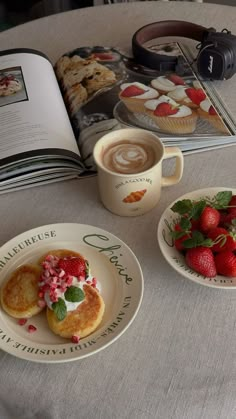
{"x":19,"y":294}
{"x":82,"y":321}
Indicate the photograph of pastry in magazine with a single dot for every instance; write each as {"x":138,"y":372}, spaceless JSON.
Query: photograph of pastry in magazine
{"x":120,"y":93}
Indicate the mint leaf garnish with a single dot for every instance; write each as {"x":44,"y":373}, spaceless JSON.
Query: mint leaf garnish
{"x":178,"y":234}
{"x":182,"y":207}
{"x":222,"y":199}
{"x":185,"y":224}
{"x":59,"y":309}
{"x":74,"y":294}
{"x":197,"y":209}
{"x":197,"y":239}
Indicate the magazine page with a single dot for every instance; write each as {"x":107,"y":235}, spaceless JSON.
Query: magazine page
{"x":33,"y":118}
{"x":176,"y":106}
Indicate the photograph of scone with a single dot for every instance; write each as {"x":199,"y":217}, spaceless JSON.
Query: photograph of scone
{"x":81,"y":78}
{"x":135,"y":94}
{"x":207,"y":111}
{"x":75,"y":97}
{"x":19,"y":294}
{"x":166,"y":84}
{"x":66,"y":64}
{"x":170,"y":116}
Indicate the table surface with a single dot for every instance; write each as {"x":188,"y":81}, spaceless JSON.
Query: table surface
{"x":177,"y":359}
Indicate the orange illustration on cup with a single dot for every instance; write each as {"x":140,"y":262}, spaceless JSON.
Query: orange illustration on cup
{"x":134,"y":196}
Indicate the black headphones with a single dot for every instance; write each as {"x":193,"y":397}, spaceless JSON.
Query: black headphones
{"x":216,"y":59}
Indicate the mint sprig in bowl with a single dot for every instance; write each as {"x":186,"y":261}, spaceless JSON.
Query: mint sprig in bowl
{"x":189,"y":207}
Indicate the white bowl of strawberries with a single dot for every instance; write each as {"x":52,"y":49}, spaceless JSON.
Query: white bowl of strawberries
{"x":197,"y":236}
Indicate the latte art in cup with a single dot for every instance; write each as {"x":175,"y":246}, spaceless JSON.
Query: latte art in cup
{"x":128,"y":157}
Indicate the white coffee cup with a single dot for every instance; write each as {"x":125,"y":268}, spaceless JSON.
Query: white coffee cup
{"x":123,"y":151}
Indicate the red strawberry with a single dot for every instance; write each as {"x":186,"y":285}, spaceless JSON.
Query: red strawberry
{"x":194,"y":225}
{"x":223,"y":218}
{"x":225,"y":240}
{"x":232,"y":206}
{"x":196,"y":95}
{"x":201,"y":260}
{"x":226,"y":263}
{"x":212,"y":111}
{"x":227,"y":220}
{"x":176,"y":79}
{"x":132,"y":91}
{"x":179,"y":242}
{"x":165,"y":109}
{"x":209,"y":218}
{"x":72,"y":266}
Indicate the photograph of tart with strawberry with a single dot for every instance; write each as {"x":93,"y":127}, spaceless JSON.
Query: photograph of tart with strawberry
{"x":207,"y":111}
{"x":170,"y":116}
{"x":135,"y":94}
{"x":62,"y":285}
{"x":189,"y":96}
{"x":168,"y":83}
{"x":205,"y":234}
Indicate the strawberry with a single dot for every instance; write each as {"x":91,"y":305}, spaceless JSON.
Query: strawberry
{"x":232,"y":206}
{"x":209,"y":218}
{"x":228,"y":220}
{"x":224,"y":241}
{"x":179,"y":241}
{"x":226,"y":263}
{"x":176,"y":79}
{"x":72,"y":266}
{"x":223,"y":218}
{"x":194,"y":225}
{"x":165,"y":109}
{"x":132,"y":91}
{"x":201,"y":260}
{"x":212,"y":111}
{"x":196,"y":95}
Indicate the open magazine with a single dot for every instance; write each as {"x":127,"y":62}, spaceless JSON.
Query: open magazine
{"x":51,"y":117}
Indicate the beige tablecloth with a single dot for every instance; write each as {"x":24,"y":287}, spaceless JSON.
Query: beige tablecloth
{"x":177,"y":359}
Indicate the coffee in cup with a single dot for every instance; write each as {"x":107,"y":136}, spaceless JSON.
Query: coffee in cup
{"x":128,"y":157}
{"x":129,"y":165}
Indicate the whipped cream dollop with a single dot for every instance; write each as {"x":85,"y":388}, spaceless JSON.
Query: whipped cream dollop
{"x":164,"y":84}
{"x":205,"y":105}
{"x":179,"y":93}
{"x":149,"y":92}
{"x":128,"y":157}
{"x":54,"y":283}
{"x":182,"y":109}
{"x":197,"y":84}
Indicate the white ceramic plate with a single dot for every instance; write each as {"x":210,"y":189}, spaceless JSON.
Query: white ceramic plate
{"x":112,"y":263}
{"x":175,"y":258}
